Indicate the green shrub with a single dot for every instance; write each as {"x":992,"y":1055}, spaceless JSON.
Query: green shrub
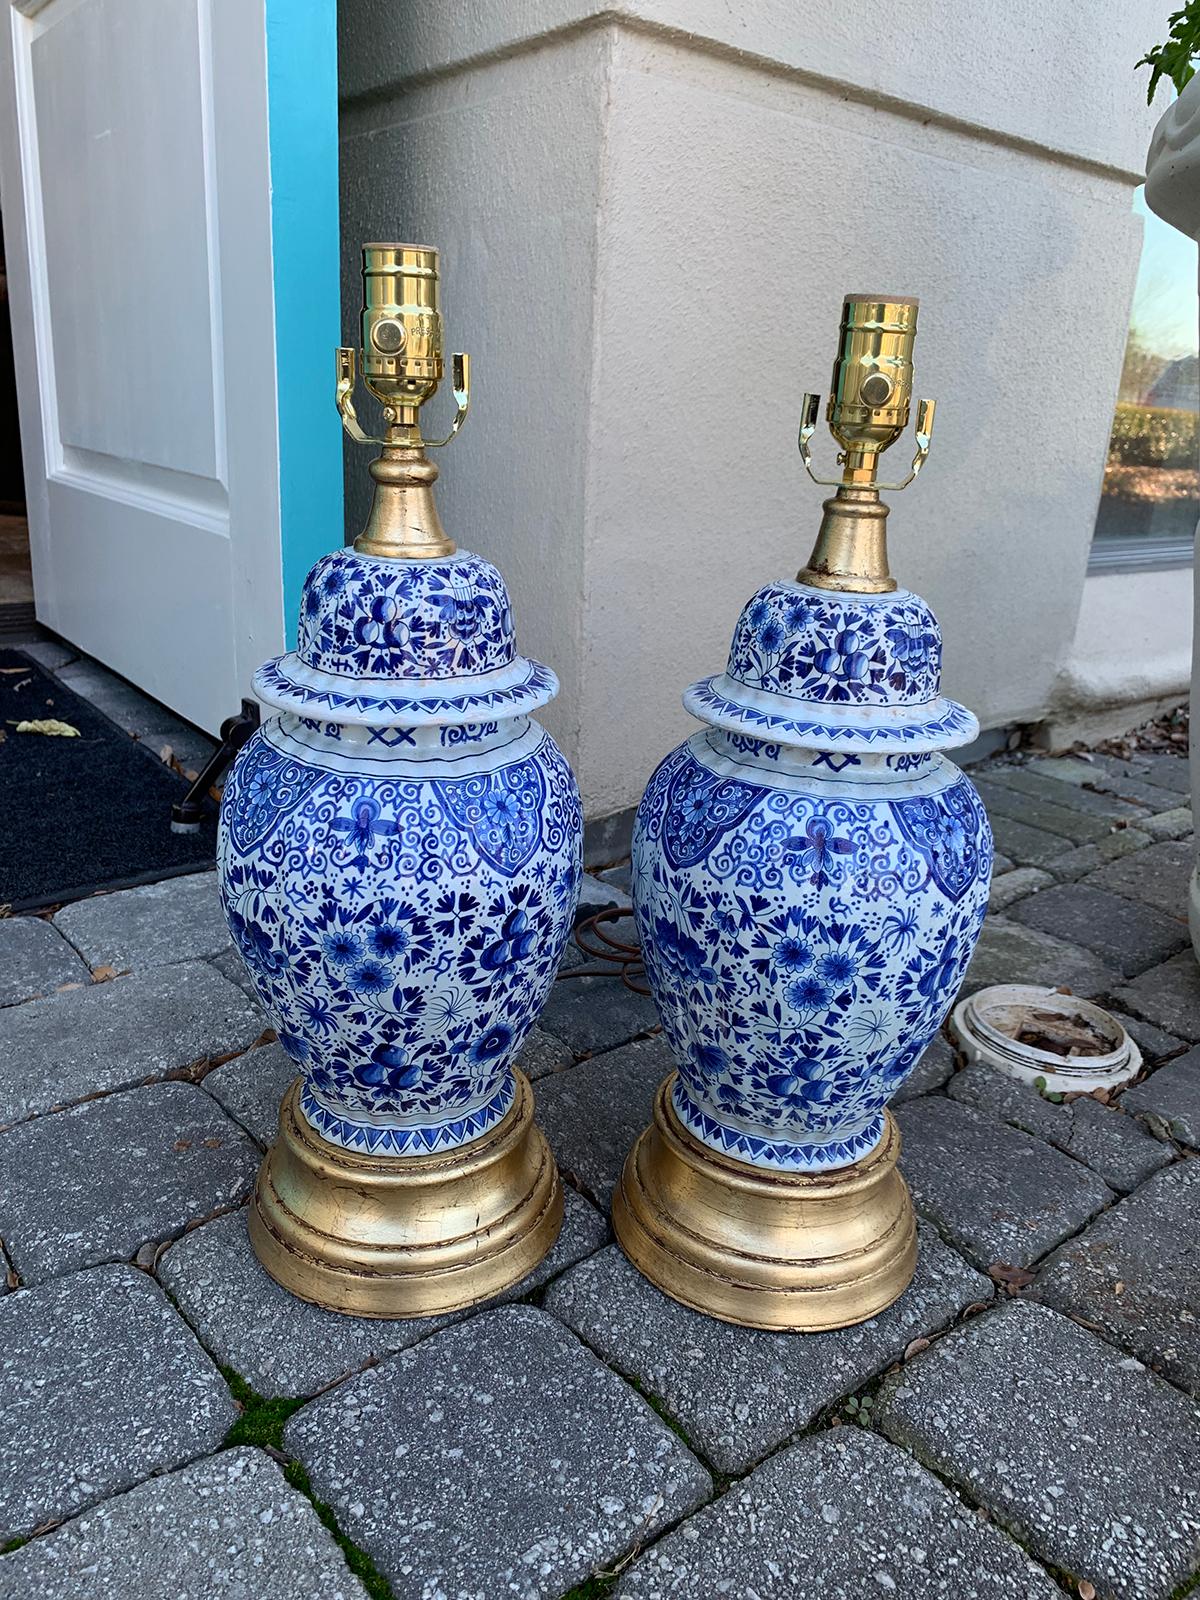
{"x":1153,"y":436}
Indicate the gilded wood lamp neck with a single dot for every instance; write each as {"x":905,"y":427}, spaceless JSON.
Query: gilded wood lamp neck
{"x":867,"y":412}
{"x":402,"y":366}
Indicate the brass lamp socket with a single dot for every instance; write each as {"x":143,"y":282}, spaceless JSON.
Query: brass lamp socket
{"x":402,"y":362}
{"x":872,"y":378}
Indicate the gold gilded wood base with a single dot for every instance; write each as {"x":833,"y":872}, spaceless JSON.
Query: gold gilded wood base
{"x":802,"y":1251}
{"x":412,"y":1236}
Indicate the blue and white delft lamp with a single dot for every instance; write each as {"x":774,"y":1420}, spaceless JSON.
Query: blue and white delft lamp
{"x":399,"y":862}
{"x":810,"y":877}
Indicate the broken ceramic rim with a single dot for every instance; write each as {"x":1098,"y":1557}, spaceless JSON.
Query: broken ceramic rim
{"x":985,"y":1026}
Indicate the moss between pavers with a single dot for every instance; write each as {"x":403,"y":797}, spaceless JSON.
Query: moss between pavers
{"x":359,"y":1562}
{"x":261,"y":1424}
{"x":262,"y":1421}
{"x":594,"y":1589}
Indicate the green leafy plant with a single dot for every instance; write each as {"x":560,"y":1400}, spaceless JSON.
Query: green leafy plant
{"x":858,"y":1408}
{"x":1176,"y":57}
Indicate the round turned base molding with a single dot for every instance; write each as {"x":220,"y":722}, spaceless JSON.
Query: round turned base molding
{"x":414,"y":1236}
{"x":786,"y":1251}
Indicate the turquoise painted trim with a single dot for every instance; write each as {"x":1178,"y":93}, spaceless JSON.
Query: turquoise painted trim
{"x":302,"y":101}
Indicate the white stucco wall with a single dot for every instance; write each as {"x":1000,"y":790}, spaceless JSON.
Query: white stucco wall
{"x":1131,"y":647}
{"x":649,"y":216}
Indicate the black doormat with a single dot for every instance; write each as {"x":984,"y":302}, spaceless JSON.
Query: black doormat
{"x":82,"y":814}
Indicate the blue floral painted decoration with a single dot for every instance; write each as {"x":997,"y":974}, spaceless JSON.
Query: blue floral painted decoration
{"x":405,"y":643}
{"x":400,"y":851}
{"x":820,"y":668}
{"x":809,"y":876}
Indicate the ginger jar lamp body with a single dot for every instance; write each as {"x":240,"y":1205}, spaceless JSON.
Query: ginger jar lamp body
{"x":399,"y":859}
{"x":810,"y":875}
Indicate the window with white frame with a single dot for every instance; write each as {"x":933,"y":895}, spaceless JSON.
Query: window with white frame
{"x":1151,"y":497}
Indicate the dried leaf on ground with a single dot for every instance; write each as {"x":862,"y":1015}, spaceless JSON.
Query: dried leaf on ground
{"x":914,"y":1348}
{"x":103,"y":974}
{"x":49,"y":726}
{"x":1013,"y":1278}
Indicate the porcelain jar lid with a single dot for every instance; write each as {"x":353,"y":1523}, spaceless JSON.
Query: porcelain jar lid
{"x":405,"y":643}
{"x":833,"y":670}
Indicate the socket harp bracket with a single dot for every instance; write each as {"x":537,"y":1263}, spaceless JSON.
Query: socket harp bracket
{"x":809,"y":413}
{"x":347,"y":378}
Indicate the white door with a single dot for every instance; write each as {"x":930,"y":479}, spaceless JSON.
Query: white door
{"x":136,"y":177}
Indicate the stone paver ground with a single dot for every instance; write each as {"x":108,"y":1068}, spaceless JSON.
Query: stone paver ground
{"x":181,"y":1427}
{"x":1090,"y":1460}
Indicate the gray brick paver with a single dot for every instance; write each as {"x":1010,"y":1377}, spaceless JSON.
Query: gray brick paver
{"x":118,"y":1034}
{"x":1135,"y":1275}
{"x":93,"y":1183}
{"x":230,"y":965}
{"x":1171,"y":772}
{"x":229,"y":1525}
{"x":1026,"y":845}
{"x":499,"y":1457}
{"x":1171,"y":1096}
{"x":837,"y":1517}
{"x":1062,"y":793}
{"x":1116,"y":1147}
{"x":930,"y":1073}
{"x":1137,"y":779}
{"x":35,"y":960}
{"x":1127,"y":936}
{"x":1167,"y":996}
{"x":1157,"y":876}
{"x":1176,"y":824}
{"x":737,"y":1392}
{"x":994,"y":1192}
{"x":591,"y":1014}
{"x":1088,"y":858}
{"x":1093,"y":1462}
{"x":251,"y":1087}
{"x":1154,"y":1043}
{"x":541,"y":1054}
{"x":592,"y":1114}
{"x":1069,"y":822}
{"x":157,"y":924}
{"x":1075,"y":770}
{"x":601,"y":893}
{"x":1010,"y":887}
{"x":101,"y":1384}
{"x":284,"y":1346}
{"x":1009,"y":952}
